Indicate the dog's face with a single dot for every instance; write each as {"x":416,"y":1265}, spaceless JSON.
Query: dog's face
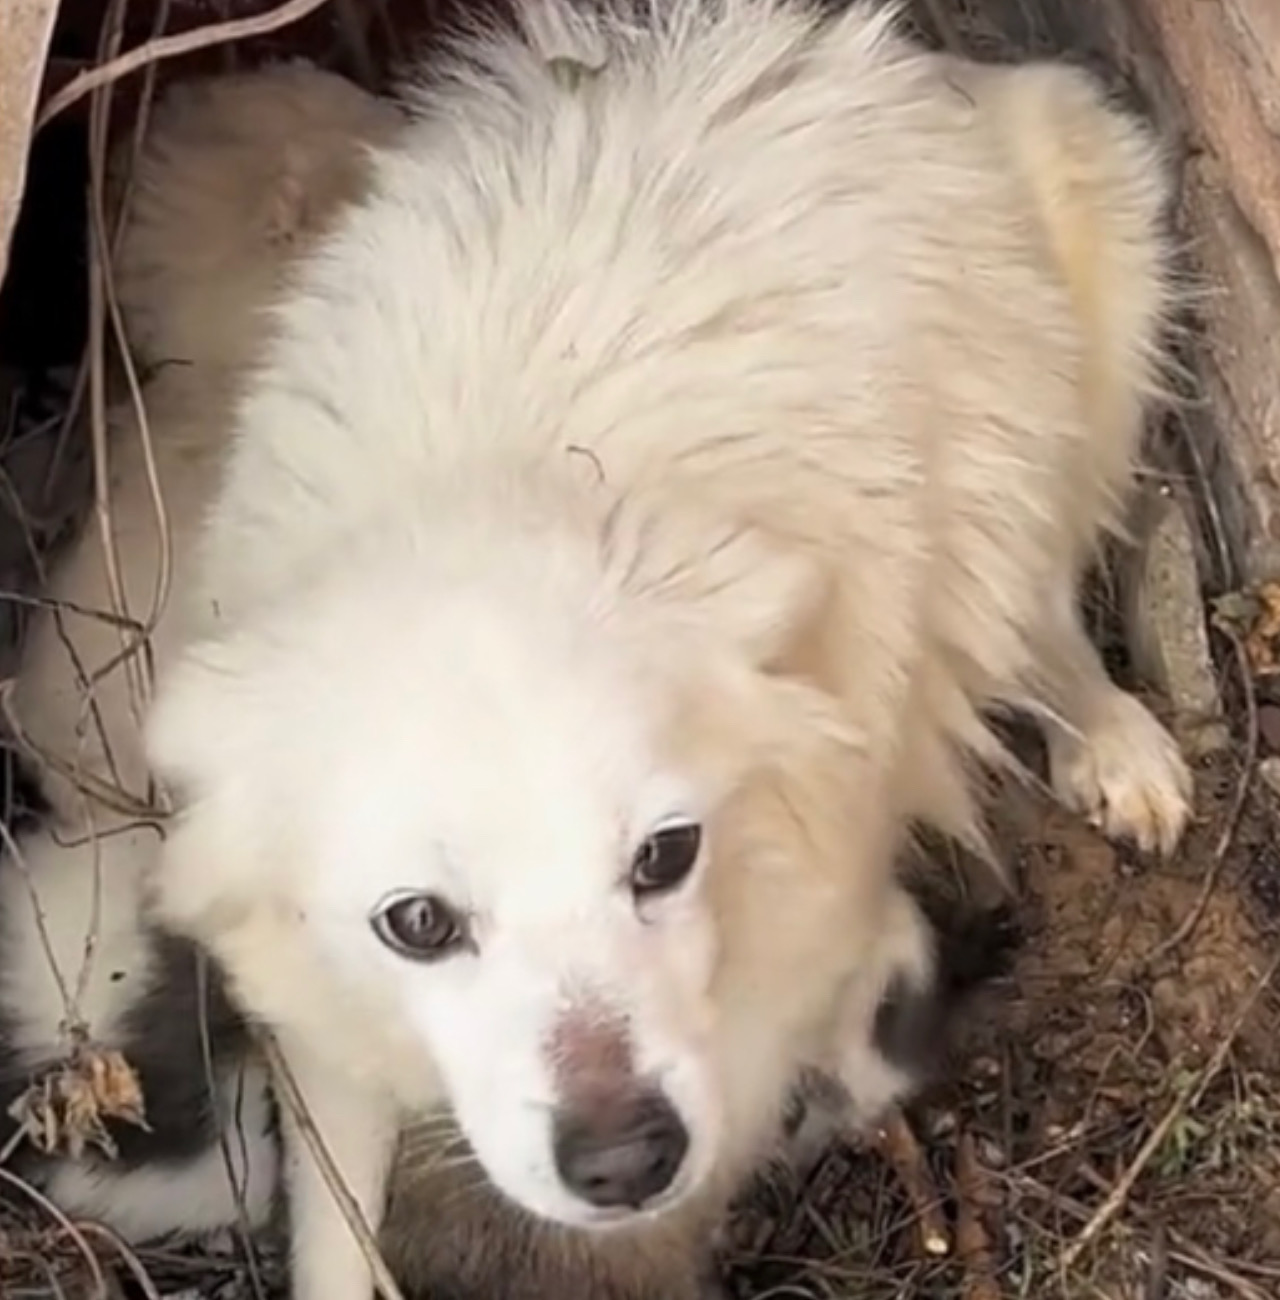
{"x":499,"y":846}
{"x":533,"y":905}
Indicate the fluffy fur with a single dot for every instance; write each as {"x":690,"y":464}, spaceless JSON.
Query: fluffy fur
{"x":236,"y":175}
{"x":706,"y":414}
{"x":207,"y":1157}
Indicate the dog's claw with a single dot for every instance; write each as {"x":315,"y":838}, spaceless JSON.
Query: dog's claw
{"x":1126,"y":776}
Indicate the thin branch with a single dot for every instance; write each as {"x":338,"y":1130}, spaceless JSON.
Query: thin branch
{"x":169,"y":47}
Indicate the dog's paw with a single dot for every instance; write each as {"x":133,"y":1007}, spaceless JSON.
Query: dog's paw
{"x":1126,"y":775}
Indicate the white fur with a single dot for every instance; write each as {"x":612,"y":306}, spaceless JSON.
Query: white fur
{"x":82,"y":887}
{"x":712,"y":434}
{"x":237,"y":174}
{"x":715,"y":433}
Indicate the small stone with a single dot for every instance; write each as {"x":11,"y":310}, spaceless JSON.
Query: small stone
{"x":942,"y":1125}
{"x":1165,"y":618}
{"x":1269,"y":771}
{"x":985,"y":1067}
{"x":990,"y":1154}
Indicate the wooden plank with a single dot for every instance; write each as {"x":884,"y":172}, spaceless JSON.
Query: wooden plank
{"x":1255,"y":28}
{"x":1202,"y":48}
{"x":26,"y":28}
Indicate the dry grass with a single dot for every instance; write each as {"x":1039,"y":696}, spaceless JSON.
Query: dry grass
{"x":1112,"y":1128}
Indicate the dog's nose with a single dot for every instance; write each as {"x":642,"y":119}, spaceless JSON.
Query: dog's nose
{"x":621,"y":1153}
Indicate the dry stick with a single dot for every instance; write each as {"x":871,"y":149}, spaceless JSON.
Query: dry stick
{"x":235,"y":1180}
{"x":1227,"y":838}
{"x":69,"y":1228}
{"x":114,"y":797}
{"x":356,"y":1221}
{"x":973,"y":1240}
{"x":104,"y":306}
{"x":1185,"y":1252}
{"x":110,"y":246}
{"x":1184,"y":1102}
{"x":1191,"y":1254}
{"x":168,"y":47}
{"x":15,"y":856}
{"x":130,"y":1261}
{"x":103,"y":249}
{"x":111,"y":35}
{"x":898,"y":1145}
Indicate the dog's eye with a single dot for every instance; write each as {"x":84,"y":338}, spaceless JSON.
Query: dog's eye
{"x":665,"y":859}
{"x":422,"y":927}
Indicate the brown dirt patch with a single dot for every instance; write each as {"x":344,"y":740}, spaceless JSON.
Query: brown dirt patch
{"x":1063,"y":1072}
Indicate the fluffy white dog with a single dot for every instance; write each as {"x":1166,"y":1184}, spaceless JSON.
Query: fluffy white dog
{"x":700,"y":423}
{"x":237,"y":176}
{"x":703,"y":421}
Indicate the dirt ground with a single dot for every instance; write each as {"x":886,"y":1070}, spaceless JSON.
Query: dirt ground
{"x":1109,"y":1124}
{"x":1112,"y":1111}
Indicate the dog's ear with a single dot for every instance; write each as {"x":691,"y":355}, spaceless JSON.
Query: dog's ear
{"x":732,"y":581}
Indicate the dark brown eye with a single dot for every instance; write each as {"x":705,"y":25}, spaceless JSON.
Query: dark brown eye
{"x":422,"y":927}
{"x":665,"y":859}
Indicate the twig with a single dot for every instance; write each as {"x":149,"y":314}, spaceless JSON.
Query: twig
{"x":1158,"y":1269}
{"x":1226,"y":838}
{"x":1185,"y":1101}
{"x":99,"y":124}
{"x":72,"y":1230}
{"x":356,"y":1221}
{"x":973,"y":1240}
{"x":243,"y":1228}
{"x":169,"y":47}
{"x":132,"y":1264}
{"x":14,"y":854}
{"x":898,"y":1145}
{"x":1185,"y":1253}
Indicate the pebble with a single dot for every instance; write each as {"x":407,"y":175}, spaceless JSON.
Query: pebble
{"x":1269,"y":772}
{"x":1165,"y":623}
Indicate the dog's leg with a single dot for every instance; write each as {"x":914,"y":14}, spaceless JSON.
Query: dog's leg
{"x":1109,"y":758}
{"x":358,"y":1128}
{"x":885,"y":1039}
{"x":888,"y":1038}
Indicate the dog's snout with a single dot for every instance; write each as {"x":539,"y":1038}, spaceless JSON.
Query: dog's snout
{"x":620,"y":1153}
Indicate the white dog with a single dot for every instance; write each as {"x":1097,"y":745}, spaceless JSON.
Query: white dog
{"x":705,"y":418}
{"x":699,"y":423}
{"x":237,"y":176}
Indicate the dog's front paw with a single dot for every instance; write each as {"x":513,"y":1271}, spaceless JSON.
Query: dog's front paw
{"x":1126,"y":775}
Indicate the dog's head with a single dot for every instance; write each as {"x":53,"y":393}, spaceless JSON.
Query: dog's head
{"x":535,"y":827}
